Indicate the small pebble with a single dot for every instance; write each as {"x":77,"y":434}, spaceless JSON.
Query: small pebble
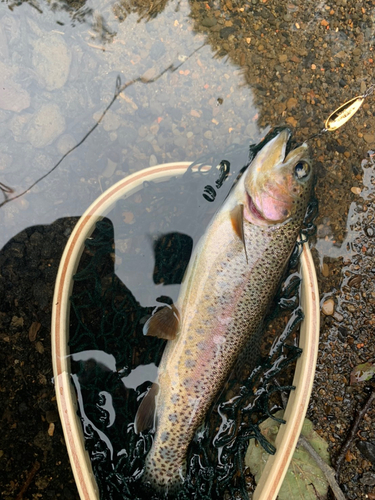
{"x":368,"y":479}
{"x":128,"y":217}
{"x":328,"y":307}
{"x":16,"y":321}
{"x":208,"y":22}
{"x":291,"y":103}
{"x":153,"y":161}
{"x":368,"y":450}
{"x":39,"y":347}
{"x":51,"y":429}
{"x":325,"y":270}
{"x":292,"y":121}
{"x":33,"y":330}
{"x":338,"y":317}
{"x":356,"y":190}
{"x":369,"y":138}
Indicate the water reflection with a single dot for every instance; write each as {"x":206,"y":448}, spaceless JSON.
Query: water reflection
{"x":68,"y":86}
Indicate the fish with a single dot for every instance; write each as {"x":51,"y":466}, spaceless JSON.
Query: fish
{"x":230,"y":282}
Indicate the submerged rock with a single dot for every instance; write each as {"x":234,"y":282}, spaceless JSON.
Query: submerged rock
{"x":51,"y":60}
{"x":46,"y":125}
{"x":367,"y":448}
{"x":12,"y":96}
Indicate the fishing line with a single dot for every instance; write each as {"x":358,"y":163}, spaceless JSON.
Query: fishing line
{"x":118,"y":90}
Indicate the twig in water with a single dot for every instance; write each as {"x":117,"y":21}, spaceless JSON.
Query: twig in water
{"x":29,"y":478}
{"x":328,"y":472}
{"x":353,"y":431}
{"x":119,"y":88}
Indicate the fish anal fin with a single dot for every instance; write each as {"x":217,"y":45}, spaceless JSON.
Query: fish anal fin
{"x":163,"y":323}
{"x":145,"y":417}
{"x":236,"y":217}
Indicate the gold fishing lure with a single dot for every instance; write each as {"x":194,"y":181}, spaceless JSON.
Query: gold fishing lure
{"x":344,"y":112}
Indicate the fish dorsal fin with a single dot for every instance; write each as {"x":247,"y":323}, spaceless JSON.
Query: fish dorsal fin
{"x":145,"y":417}
{"x":163,"y":323}
{"x":236,"y":217}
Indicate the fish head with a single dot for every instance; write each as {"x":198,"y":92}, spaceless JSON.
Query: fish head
{"x":278,"y":182}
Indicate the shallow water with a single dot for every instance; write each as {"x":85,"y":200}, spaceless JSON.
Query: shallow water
{"x":242,"y":67}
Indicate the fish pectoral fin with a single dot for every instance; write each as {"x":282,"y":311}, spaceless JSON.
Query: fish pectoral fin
{"x":236,"y":217}
{"x":163,"y":323}
{"x":145,"y":417}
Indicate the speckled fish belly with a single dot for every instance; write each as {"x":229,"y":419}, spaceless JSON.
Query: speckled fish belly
{"x":230,"y":282}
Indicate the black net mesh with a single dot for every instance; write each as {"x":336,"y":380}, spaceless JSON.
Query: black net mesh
{"x":164,"y":220}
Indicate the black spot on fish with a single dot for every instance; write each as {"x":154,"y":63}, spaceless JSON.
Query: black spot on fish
{"x":164,"y":437}
{"x":190,"y":363}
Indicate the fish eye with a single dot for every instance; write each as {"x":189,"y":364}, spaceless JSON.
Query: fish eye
{"x":301,"y":170}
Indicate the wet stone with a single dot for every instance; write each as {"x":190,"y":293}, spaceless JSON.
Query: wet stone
{"x":368,"y":479}
{"x":325,"y":270}
{"x":12,"y":96}
{"x":157,"y":50}
{"x":153,"y":161}
{"x":145,"y":147}
{"x":291,"y":103}
{"x":367,"y":449}
{"x":51,"y":60}
{"x":46,"y":125}
{"x":369,"y":138}
{"x":65,"y":143}
{"x":181,"y":141}
{"x":144,"y":112}
{"x":111,"y":121}
{"x":328,"y":307}
{"x":18,"y":125}
{"x":208,"y":22}
{"x":225,"y":32}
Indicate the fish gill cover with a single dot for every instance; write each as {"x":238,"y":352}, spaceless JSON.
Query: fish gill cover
{"x":107,"y":318}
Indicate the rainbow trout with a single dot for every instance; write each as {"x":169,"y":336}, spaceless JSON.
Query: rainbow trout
{"x":231,"y":279}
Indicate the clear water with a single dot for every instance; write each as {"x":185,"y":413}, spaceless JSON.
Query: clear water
{"x":275,"y":63}
{"x":68,"y":74}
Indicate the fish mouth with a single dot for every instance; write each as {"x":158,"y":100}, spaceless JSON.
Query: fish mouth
{"x":253,"y":209}
{"x":274,"y":149}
